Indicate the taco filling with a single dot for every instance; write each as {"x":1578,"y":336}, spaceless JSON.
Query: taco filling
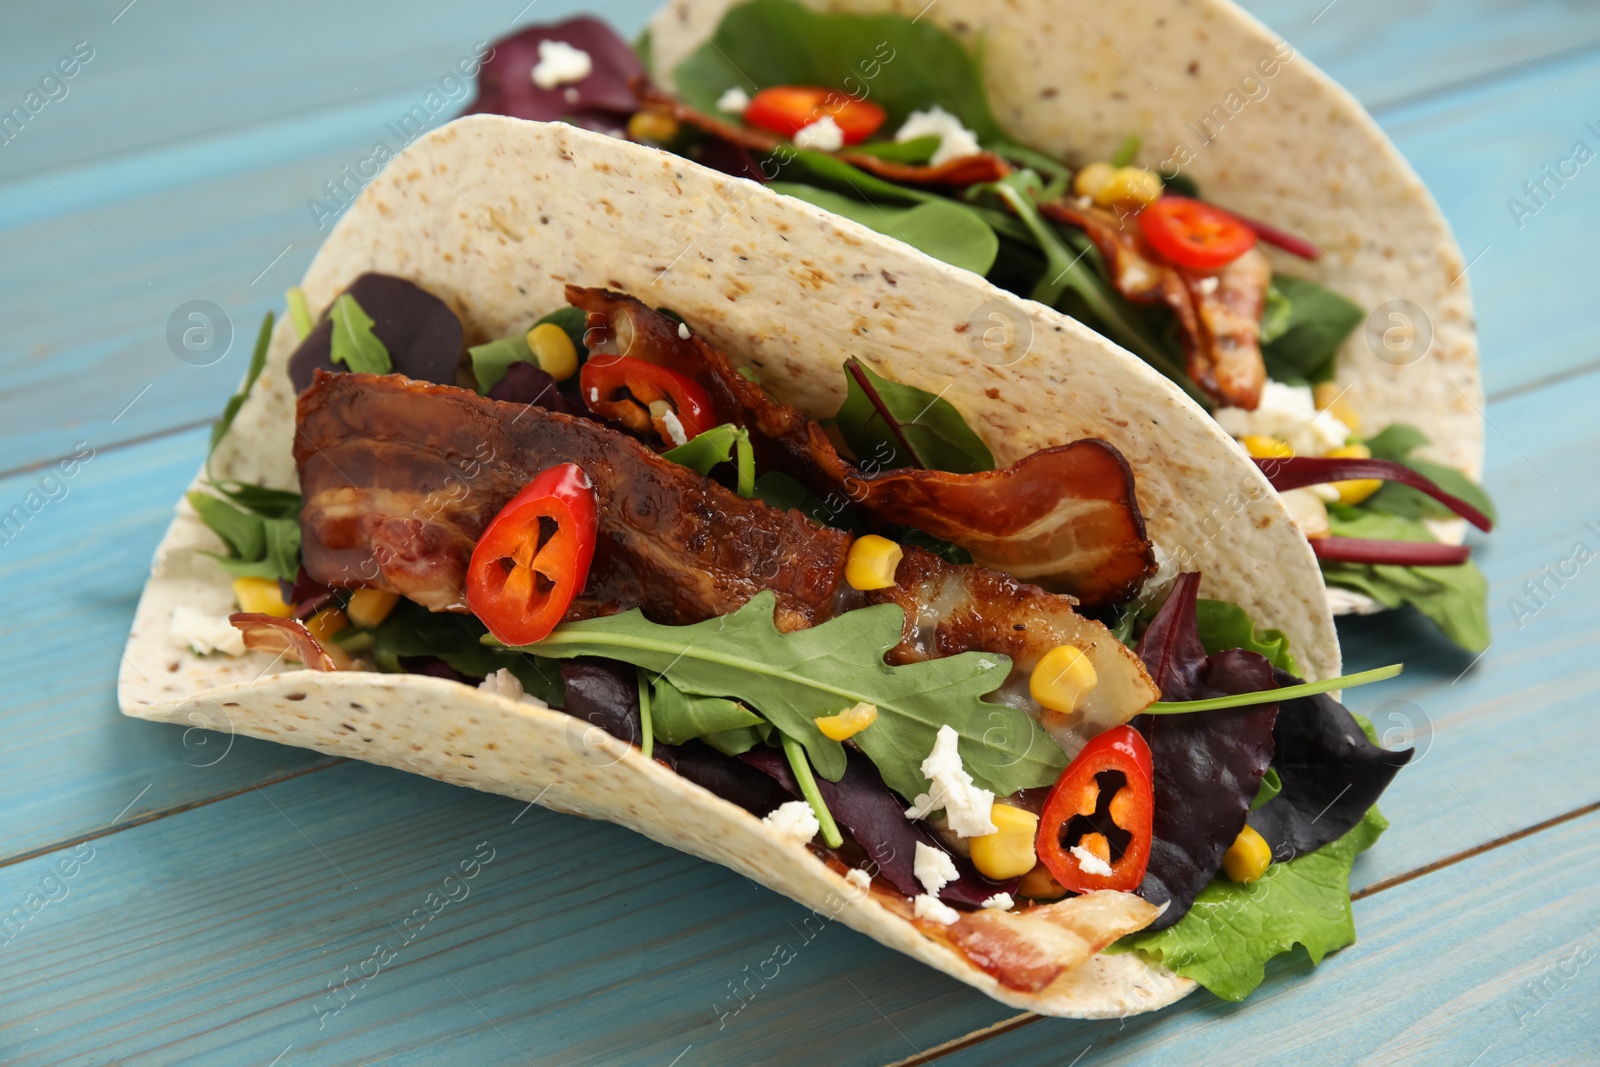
{"x":902,"y":139}
{"x":971,"y":691}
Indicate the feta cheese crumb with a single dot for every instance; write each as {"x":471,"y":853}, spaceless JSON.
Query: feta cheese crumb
{"x":1288,"y":413}
{"x":955,"y":140}
{"x":823,"y":135}
{"x":858,"y":878}
{"x":1165,"y":574}
{"x":560,"y":64}
{"x":734,"y":101}
{"x":205,"y":633}
{"x":505,"y":684}
{"x":683,"y":330}
{"x":1000,"y":902}
{"x":594,"y":396}
{"x":570,"y":95}
{"x":965,"y":805}
{"x":1207,"y":285}
{"x":934,"y":868}
{"x":794,"y":821}
{"x":926,"y":907}
{"x":674,"y":427}
{"x":1091,"y":863}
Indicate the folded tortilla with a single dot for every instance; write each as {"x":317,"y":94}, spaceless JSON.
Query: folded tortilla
{"x":495,"y":215}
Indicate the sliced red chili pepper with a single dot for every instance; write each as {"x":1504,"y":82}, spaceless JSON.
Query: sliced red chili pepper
{"x":1192,"y":233}
{"x":644,"y":396}
{"x":534,"y":556}
{"x":1103,"y":802}
{"x":787,"y":109}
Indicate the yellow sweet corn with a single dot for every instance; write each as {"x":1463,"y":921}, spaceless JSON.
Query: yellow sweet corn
{"x":554,"y":350}
{"x":261,"y":596}
{"x":657,"y":127}
{"x":1061,"y":678}
{"x":1247,"y":858}
{"x":1355,"y":490}
{"x":323,"y":625}
{"x":1008,"y":852}
{"x":849,"y":722}
{"x":872,"y":562}
{"x":1040,"y":884}
{"x":1263,"y":447}
{"x":369,"y":607}
{"x":1329,"y":397}
{"x":1130,"y":187}
{"x":1091,"y":179}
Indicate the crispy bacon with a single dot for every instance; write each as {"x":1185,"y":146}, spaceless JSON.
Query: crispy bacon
{"x":1219,"y":315}
{"x":961,"y":171}
{"x":268,"y":633}
{"x":401,"y":477}
{"x":1065,"y":518}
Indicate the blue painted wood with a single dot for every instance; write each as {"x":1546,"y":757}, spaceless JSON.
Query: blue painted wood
{"x":71,"y":764}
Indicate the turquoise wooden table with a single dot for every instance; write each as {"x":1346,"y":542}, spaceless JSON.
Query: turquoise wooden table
{"x":190,"y":898}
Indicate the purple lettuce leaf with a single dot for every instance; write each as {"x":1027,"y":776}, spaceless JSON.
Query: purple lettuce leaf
{"x":602,"y":101}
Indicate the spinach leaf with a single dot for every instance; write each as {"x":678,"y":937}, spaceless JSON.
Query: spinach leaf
{"x":1225,"y":625}
{"x":900,"y":64}
{"x":916,"y":151}
{"x":230,"y":410}
{"x":792,"y":679}
{"x":944,"y":229}
{"x":677,"y":717}
{"x":353,"y":343}
{"x":1319,"y":320}
{"x":909,"y":426}
{"x":1396,"y":443}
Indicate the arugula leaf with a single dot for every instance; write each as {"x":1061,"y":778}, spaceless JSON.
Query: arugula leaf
{"x":490,"y":359}
{"x":1271,"y":786}
{"x":1225,"y":940}
{"x":1396,"y":443}
{"x":792,"y":679}
{"x":1225,"y":625}
{"x":943,"y":229}
{"x":412,"y":630}
{"x":273,"y":503}
{"x":903,"y":65}
{"x":242,"y":531}
{"x":259,"y":546}
{"x":299,"y":313}
{"x":1319,"y":320}
{"x":720,"y":444}
{"x":353,"y":343}
{"x":910,"y":426}
{"x":230,"y":410}
{"x":1456,"y":598}
{"x":677,"y":717}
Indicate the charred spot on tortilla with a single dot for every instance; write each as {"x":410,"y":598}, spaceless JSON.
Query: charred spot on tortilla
{"x":420,"y":331}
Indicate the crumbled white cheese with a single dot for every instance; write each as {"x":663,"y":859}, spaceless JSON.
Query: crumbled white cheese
{"x":734,"y":101}
{"x":1288,"y":413}
{"x":594,"y":396}
{"x":1327,"y":492}
{"x":1000,"y":902}
{"x":955,"y":140}
{"x":858,"y":878}
{"x":560,"y":64}
{"x":824,"y":135}
{"x":794,"y":821}
{"x":926,"y":907}
{"x":570,"y":95}
{"x":1207,"y":285}
{"x":934,"y":868}
{"x":1091,"y":863}
{"x":205,"y":633}
{"x":683,"y":330}
{"x":503,"y":683}
{"x":965,"y":805}
{"x":1165,"y":574}
{"x":674,"y":427}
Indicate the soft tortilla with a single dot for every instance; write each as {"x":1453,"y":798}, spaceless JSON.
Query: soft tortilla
{"x":495,"y":215}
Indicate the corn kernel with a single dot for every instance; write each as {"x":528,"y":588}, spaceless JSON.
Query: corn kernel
{"x":1091,"y":179}
{"x":1008,"y":852}
{"x":1263,"y":447}
{"x":1328,"y":397}
{"x":1062,"y":677}
{"x":1247,"y":858}
{"x":1130,"y":187}
{"x":554,"y":350}
{"x":369,"y":607}
{"x":1040,"y":884}
{"x":872,"y":562}
{"x":658,"y":127}
{"x":1355,"y":490}
{"x":261,"y":596}
{"x":849,"y":722}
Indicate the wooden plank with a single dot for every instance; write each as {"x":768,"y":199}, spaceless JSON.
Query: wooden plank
{"x":72,"y":765}
{"x":576,"y":941}
{"x":1487,"y":962}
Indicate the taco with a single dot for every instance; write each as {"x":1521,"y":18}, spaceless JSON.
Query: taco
{"x":1170,"y":174}
{"x":541,"y":501}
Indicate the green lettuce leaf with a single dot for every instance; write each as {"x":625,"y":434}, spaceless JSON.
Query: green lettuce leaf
{"x":896,"y":425}
{"x":943,"y":229}
{"x":353,"y":343}
{"x":1226,"y":939}
{"x":1304,"y":342}
{"x":792,"y":679}
{"x":1225,"y":625}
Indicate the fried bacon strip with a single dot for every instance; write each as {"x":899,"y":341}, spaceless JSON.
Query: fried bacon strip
{"x":1065,"y":518}
{"x":401,"y":477}
{"x":1219,"y":315}
{"x":961,"y":171}
{"x":268,"y":633}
